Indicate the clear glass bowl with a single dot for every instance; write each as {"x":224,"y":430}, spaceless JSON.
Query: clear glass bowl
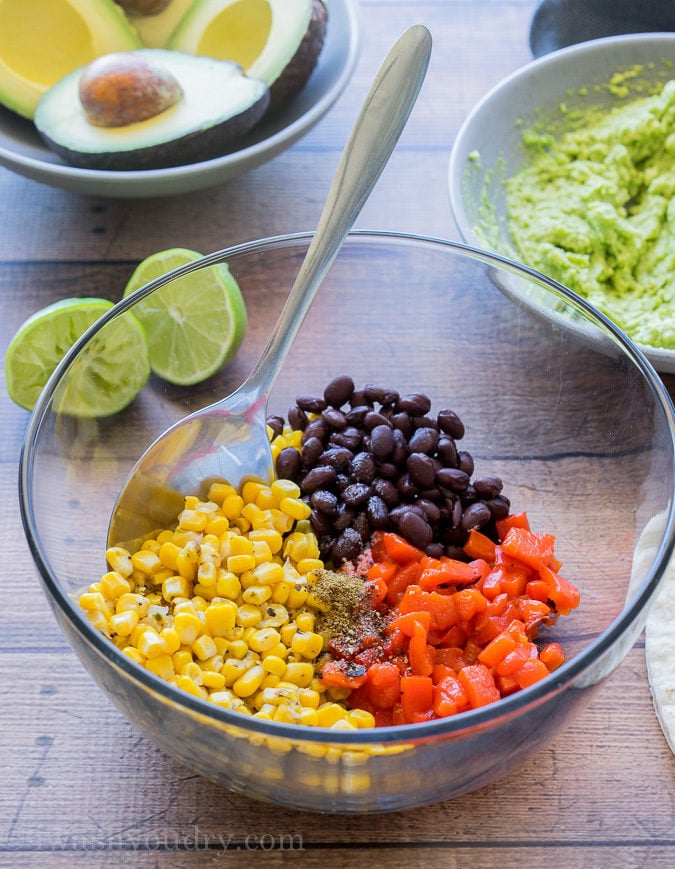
{"x":555,"y":400}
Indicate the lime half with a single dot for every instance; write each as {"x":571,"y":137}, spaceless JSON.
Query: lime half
{"x":102,"y":380}
{"x":196,"y":323}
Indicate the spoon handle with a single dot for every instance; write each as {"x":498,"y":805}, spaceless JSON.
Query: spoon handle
{"x":373,"y":137}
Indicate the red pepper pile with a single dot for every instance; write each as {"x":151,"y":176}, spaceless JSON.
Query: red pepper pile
{"x":457,"y":635}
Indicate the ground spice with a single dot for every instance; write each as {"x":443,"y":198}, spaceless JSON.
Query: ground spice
{"x":341,"y":593}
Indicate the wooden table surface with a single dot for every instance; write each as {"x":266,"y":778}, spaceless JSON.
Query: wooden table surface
{"x":80,"y":787}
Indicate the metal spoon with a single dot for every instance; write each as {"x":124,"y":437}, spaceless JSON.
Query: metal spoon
{"x":228,"y":440}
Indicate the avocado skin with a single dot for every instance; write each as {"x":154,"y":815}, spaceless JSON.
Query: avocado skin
{"x":300,"y":67}
{"x":195,"y":147}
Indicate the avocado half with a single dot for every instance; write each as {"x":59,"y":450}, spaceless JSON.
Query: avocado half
{"x":41,"y":43}
{"x":278,"y":41}
{"x":219,"y":104}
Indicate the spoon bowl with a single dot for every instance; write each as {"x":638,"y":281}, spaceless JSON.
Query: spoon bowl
{"x":228,"y":440}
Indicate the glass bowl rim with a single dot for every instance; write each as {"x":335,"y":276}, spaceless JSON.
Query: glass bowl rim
{"x":444,"y":727}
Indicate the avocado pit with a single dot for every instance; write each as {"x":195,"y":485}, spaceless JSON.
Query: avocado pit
{"x":124,"y":88}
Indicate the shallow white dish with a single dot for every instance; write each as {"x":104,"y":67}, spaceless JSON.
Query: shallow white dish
{"x":494,"y":127}
{"x":23,"y":151}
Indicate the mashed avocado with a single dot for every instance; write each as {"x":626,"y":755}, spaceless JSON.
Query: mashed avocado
{"x":595,"y":209}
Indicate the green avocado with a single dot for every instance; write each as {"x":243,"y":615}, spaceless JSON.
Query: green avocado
{"x":218,"y":105}
{"x":594,"y":208}
{"x":44,"y":40}
{"x":278,"y":41}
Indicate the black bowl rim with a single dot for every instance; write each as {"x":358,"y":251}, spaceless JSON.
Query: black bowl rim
{"x":452,"y":726}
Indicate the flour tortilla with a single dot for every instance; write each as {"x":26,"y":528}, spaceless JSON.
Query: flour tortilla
{"x":659,"y":629}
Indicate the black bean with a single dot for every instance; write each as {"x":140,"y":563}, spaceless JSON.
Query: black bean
{"x":276,"y":423}
{"x":465,"y":462}
{"x":356,"y":494}
{"x":356,"y":415}
{"x":402,"y":422}
{"x":358,"y":398}
{"x":350,"y":438}
{"x":468,"y":496}
{"x":399,"y":452}
{"x":324,"y":501}
{"x":381,"y":441}
{"x":312,"y":448}
{"x":424,"y":440}
{"x":380,"y":395}
{"x":406,"y":487}
{"x":336,"y":420}
{"x":343,"y":518}
{"x":347,"y":546}
{"x":321,"y":524}
{"x":339,"y":391}
{"x":447,"y":452}
{"x":388,"y":470}
{"x":452,"y":478}
{"x":336,"y":457}
{"x":311,"y":403}
{"x":499,"y":507}
{"x":434,"y":550}
{"x":362,"y":526}
{"x":475,"y":516}
{"x":297,"y":418}
{"x":421,"y":470}
{"x":456,"y":552}
{"x":415,"y":529}
{"x":289,"y":464}
{"x":450,"y":423}
{"x":317,"y":428}
{"x":374,"y":418}
{"x":377,"y":512}
{"x":363,"y":468}
{"x":386,"y":490}
{"x":431,"y":510}
{"x":342,"y":480}
{"x":319,"y":477}
{"x":488,"y":487}
{"x":424,"y":422}
{"x":415,"y":403}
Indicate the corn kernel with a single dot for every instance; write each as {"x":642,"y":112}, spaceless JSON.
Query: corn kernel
{"x":300,"y":673}
{"x":188,"y":626}
{"x":193,"y":671}
{"x":285,"y":489}
{"x":329,"y":713}
{"x":221,"y":617}
{"x":207,"y":574}
{"x":185,"y":683}
{"x":308,"y":565}
{"x":274,"y":615}
{"x":308,"y":716}
{"x":123,"y":623}
{"x":305,"y":621}
{"x":204,"y":647}
{"x":269,"y":573}
{"x":249,"y":682}
{"x":295,"y":508}
{"x":264,"y":639}
{"x":232,"y":506}
{"x":297,"y":596}
{"x":181,"y":658}
{"x":256,"y":595}
{"x":134,"y":654}
{"x":93,"y":601}
{"x":192,"y":520}
{"x":361,"y":718}
{"x":161,"y":666}
{"x":250,"y":489}
{"x":120,"y":560}
{"x":307,"y":644}
{"x":98,"y":619}
{"x":287,"y":714}
{"x":234,"y":669}
{"x":151,"y":644}
{"x":274,"y":664}
{"x":287,"y":633}
{"x":308,"y":697}
{"x":240,"y":563}
{"x":146,"y":562}
{"x":171,"y":639}
{"x":283,"y":522}
{"x":227,"y":584}
{"x":213,"y":680}
{"x":218,"y":491}
{"x":175,"y":586}
{"x":248,"y":615}
{"x":237,"y":649}
{"x":270,"y":536}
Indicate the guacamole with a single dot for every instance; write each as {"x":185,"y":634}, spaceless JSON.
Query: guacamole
{"x":595,"y":209}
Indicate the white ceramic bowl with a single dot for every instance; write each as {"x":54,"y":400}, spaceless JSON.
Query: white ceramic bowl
{"x":493,"y":129}
{"x":23,"y":151}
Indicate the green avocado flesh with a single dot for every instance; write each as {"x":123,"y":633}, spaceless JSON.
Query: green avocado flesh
{"x":219,"y":105}
{"x":595,"y":209}
{"x":43,"y":40}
